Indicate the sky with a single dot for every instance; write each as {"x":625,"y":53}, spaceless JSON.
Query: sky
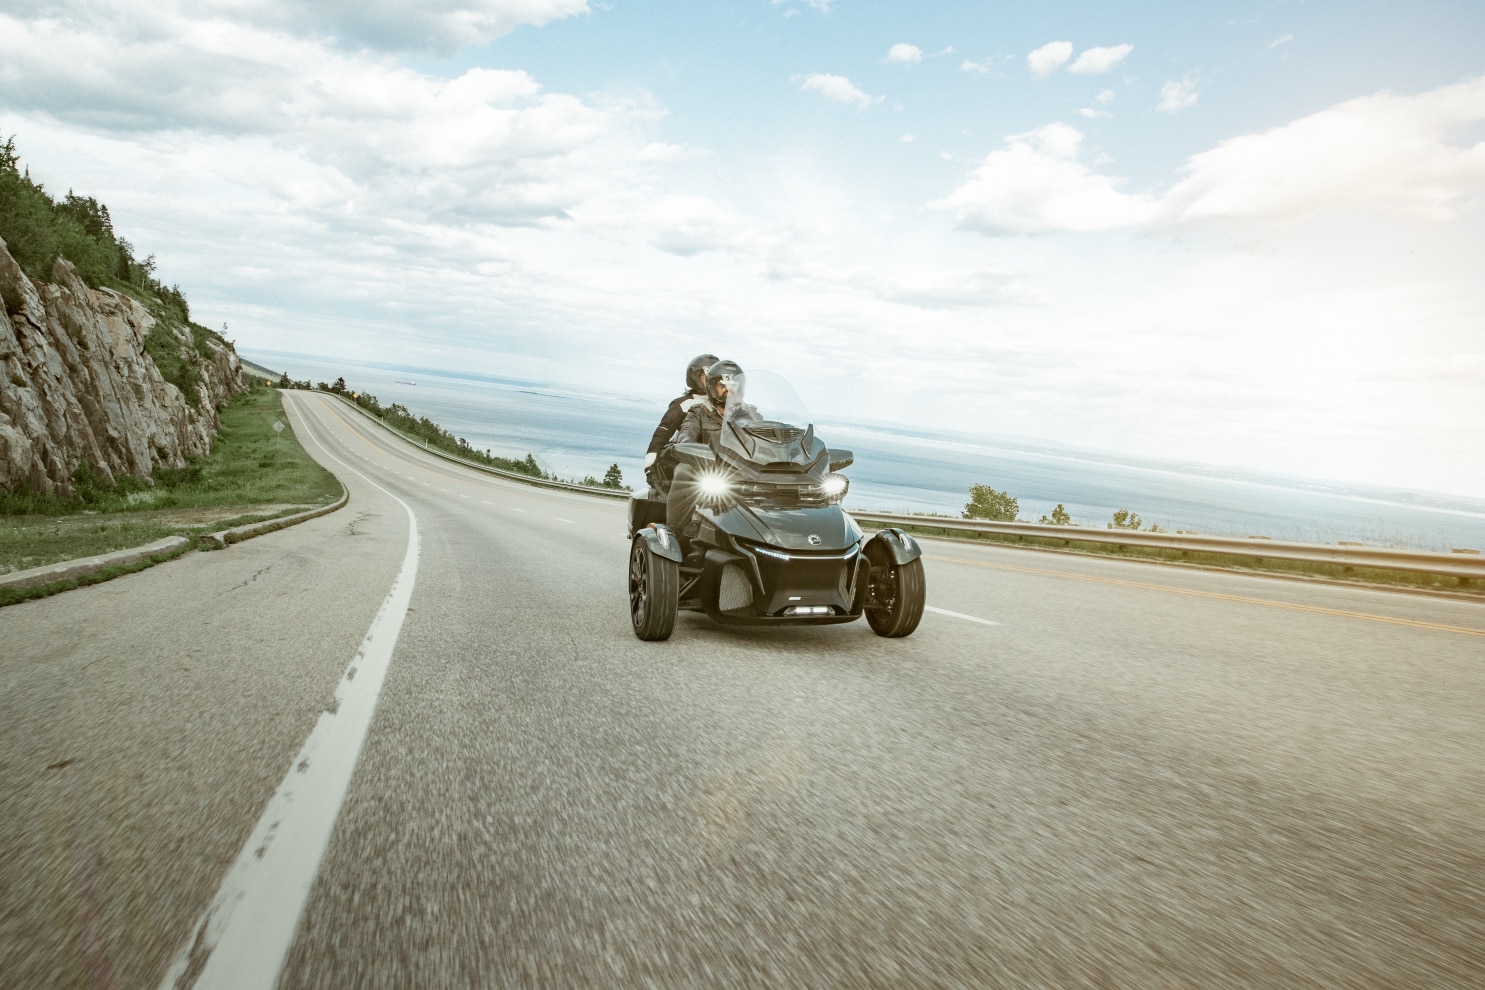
{"x":1249,"y":234}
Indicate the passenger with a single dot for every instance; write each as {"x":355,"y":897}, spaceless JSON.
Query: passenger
{"x":703,"y":424}
{"x":658,"y":465}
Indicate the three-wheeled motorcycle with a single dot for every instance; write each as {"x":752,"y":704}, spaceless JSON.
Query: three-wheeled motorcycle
{"x":774,"y":546}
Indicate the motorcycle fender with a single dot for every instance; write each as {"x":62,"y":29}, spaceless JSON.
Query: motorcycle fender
{"x":661,"y":542}
{"x":901,"y":547}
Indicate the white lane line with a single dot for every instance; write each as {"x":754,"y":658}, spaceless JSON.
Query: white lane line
{"x":487,"y":503}
{"x":445,"y":490}
{"x":959,"y":615}
{"x":560,"y":519}
{"x":514,"y":509}
{"x":243,"y":938}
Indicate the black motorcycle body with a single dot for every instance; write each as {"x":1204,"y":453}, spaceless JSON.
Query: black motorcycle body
{"x":773,"y":545}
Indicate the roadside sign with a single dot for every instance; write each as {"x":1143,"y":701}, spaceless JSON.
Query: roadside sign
{"x":278,"y":426}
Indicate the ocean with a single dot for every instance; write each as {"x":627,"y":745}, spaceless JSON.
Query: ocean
{"x":575,"y":432}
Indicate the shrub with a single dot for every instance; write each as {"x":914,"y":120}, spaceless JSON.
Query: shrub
{"x":987,"y":503}
{"x":1059,"y":517}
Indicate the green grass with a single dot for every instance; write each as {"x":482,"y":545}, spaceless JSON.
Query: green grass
{"x":1280,"y":568}
{"x":252,"y":473}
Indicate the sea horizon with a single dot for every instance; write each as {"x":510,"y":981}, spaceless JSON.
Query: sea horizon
{"x":575,"y":431}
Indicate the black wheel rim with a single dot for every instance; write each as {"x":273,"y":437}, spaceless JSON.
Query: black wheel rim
{"x":637,"y":585}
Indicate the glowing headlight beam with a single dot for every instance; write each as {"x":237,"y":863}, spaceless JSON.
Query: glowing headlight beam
{"x":714,"y":485}
{"x":834,"y":486}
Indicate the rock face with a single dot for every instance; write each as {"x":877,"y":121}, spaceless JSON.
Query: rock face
{"x":77,"y":384}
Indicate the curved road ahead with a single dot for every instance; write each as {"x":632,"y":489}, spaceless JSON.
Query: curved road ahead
{"x":1078,"y":772}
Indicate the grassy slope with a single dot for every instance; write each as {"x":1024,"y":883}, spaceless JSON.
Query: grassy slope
{"x":252,"y":473}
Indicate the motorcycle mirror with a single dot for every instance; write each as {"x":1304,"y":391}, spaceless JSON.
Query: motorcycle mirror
{"x":698,"y":455}
{"x":841,"y":459}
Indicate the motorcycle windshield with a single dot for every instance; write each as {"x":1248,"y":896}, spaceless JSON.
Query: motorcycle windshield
{"x":755,"y":396}
{"x":766,"y":422}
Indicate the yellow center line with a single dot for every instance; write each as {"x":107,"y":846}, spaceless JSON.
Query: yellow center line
{"x":1436,"y":626}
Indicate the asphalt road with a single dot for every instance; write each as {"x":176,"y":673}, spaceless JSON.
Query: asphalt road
{"x":1125,"y":775}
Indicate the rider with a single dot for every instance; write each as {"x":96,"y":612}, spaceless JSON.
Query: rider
{"x":658,"y":468}
{"x":703,"y":424}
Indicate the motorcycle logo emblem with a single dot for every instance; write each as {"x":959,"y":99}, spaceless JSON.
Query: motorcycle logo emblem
{"x":814,"y":540}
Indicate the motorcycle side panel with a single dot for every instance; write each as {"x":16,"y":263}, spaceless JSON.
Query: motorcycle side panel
{"x":643,"y":511}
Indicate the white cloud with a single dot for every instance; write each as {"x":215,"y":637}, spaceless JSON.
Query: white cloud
{"x":908,"y":138}
{"x":905,"y":54}
{"x":1094,"y":112}
{"x":1096,"y":61}
{"x":1049,"y":57}
{"x":969,"y":65}
{"x":1037,"y":184}
{"x":1398,"y":153}
{"x":1177,"y":95}
{"x":385,"y":25}
{"x":487,"y":146}
{"x":688,"y":225}
{"x":1105,"y":97}
{"x":1281,"y":40}
{"x":660,"y":151}
{"x":837,"y":89}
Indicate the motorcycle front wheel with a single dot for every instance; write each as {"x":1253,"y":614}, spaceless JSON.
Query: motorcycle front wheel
{"x":894,"y":604}
{"x":654,"y":582}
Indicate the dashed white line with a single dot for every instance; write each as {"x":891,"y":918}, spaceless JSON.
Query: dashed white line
{"x":487,"y":503}
{"x":959,"y":615}
{"x":514,"y":509}
{"x":243,"y":937}
{"x":560,"y":519}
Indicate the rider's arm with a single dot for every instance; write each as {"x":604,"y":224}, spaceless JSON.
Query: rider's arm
{"x":675,"y":413}
{"x":691,"y":431}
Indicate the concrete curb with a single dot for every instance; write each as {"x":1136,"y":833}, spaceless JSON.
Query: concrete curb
{"x":83,"y":566}
{"x":237,"y":534}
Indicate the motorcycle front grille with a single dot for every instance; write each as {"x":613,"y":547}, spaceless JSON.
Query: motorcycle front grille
{"x":735,"y":591}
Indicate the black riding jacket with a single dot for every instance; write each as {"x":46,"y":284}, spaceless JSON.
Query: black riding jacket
{"x":675,"y":414}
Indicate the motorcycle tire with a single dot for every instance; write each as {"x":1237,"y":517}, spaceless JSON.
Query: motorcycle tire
{"x":654,"y":584}
{"x":898,"y":592}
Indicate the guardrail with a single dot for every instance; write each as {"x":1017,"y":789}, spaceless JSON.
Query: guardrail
{"x":512,"y":475}
{"x":1458,"y":564}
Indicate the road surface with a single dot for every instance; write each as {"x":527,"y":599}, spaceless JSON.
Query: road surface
{"x":1077,"y":772}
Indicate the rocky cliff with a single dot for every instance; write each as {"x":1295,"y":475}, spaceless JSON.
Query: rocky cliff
{"x":77,"y":383}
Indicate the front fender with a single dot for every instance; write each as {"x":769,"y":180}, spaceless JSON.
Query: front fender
{"x":901,"y":547}
{"x":661,"y":541}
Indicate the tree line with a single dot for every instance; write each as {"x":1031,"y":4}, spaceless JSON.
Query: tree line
{"x":987,"y":503}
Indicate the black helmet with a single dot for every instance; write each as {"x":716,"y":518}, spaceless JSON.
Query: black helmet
{"x":723,"y":373}
{"x":696,"y":372}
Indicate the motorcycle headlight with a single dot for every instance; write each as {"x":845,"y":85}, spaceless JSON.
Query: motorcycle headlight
{"x":834,"y":487}
{"x":714,"y":487}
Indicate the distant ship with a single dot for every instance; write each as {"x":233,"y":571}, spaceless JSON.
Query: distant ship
{"x":399,"y":381}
